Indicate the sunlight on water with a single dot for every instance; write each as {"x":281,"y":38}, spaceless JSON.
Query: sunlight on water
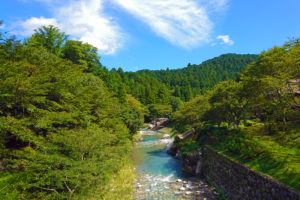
{"x":158,"y":172}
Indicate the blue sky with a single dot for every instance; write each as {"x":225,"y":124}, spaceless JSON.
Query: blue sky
{"x":156,"y":34}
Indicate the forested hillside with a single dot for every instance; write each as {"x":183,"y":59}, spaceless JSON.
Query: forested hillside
{"x":193,"y":80}
{"x":67,"y":122}
{"x":164,"y":91}
{"x":255,"y":119}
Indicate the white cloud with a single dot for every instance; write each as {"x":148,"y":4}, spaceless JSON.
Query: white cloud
{"x":185,"y":23}
{"x":83,"y":20}
{"x":33,"y":23}
{"x":86,"y":21}
{"x":215,"y":5}
{"x":182,"y":22}
{"x":225,"y":39}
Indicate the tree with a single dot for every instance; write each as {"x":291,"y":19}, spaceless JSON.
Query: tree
{"x":121,"y":94}
{"x":163,"y":95}
{"x":133,"y":114}
{"x":157,"y":111}
{"x":229,"y":103}
{"x":176,"y":103}
{"x":48,"y":37}
{"x":149,"y":95}
{"x":269,"y":82}
{"x":82,"y":54}
{"x":190,"y":115}
{"x":62,"y":133}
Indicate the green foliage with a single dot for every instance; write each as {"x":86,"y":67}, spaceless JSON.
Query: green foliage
{"x":120,"y":186}
{"x":189,"y":147}
{"x":82,"y":54}
{"x":190,"y":115}
{"x":163,"y":86}
{"x":263,"y":106}
{"x":262,"y":153}
{"x":166,"y":130}
{"x":133,"y":114}
{"x":158,"y":111}
{"x":63,"y":134}
{"x":48,"y":37}
{"x":272,"y":83}
{"x":66,"y":121}
{"x":229,"y":104}
{"x":176,"y":103}
{"x":193,"y":80}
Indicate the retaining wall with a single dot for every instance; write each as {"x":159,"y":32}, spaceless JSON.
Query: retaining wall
{"x":240,"y":182}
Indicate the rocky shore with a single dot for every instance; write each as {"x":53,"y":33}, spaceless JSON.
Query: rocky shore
{"x":158,"y":123}
{"x":160,"y":176}
{"x":190,"y":188}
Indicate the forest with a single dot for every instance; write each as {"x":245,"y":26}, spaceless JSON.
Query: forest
{"x":64,"y":134}
{"x":67,"y":122}
{"x":254,"y":119}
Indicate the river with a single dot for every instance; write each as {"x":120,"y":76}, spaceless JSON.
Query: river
{"x":160,"y":175}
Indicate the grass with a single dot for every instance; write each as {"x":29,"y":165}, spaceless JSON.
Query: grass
{"x":146,"y":125}
{"x":275,"y":153}
{"x":169,"y":130}
{"x":120,"y":187}
{"x":264,"y":153}
{"x":279,"y":162}
{"x":166,"y":130}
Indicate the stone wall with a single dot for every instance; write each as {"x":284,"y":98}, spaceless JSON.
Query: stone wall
{"x":240,"y":182}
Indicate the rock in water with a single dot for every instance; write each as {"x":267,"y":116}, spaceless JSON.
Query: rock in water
{"x":169,"y":147}
{"x":166,"y":136}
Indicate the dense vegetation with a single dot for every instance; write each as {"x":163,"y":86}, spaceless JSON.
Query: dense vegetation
{"x":164,"y":91}
{"x":254,"y":119}
{"x":66,"y":121}
{"x":63,"y":133}
{"x":193,"y":80}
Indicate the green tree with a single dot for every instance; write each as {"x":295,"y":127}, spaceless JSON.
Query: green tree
{"x":229,"y":103}
{"x":82,"y":54}
{"x":133,"y":114}
{"x":176,"y":103}
{"x":190,"y":115}
{"x":48,"y":37}
{"x":163,"y":95}
{"x":62,"y":132}
{"x":157,"y":111}
{"x":271,"y":82}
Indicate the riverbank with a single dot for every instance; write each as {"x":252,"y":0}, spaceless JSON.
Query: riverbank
{"x":223,"y":141}
{"x":120,"y":186}
{"x":160,"y":176}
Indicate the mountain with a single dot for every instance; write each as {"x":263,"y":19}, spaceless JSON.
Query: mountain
{"x":187,"y":82}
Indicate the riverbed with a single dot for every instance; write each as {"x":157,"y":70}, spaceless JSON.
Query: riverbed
{"x":160,"y":175}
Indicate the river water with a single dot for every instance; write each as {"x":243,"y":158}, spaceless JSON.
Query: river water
{"x":160,"y":175}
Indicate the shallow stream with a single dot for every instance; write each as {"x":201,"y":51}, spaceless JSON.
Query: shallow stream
{"x":160,"y":175}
